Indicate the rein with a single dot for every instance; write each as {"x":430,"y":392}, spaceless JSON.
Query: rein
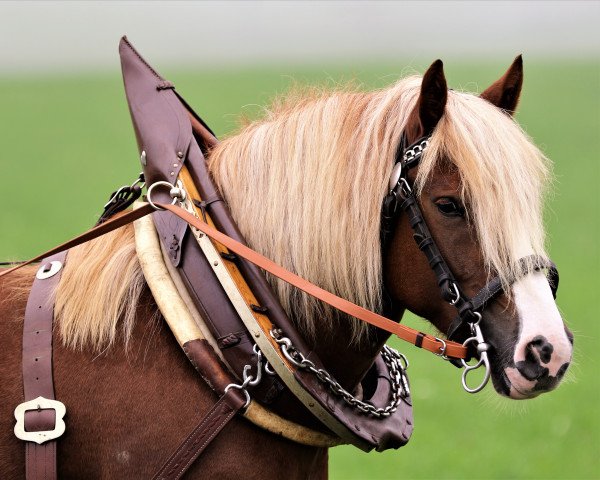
{"x":425,"y":341}
{"x":450,"y":349}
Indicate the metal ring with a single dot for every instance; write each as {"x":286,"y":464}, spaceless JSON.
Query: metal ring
{"x":457,"y":293}
{"x":269,"y":369}
{"x":239,"y":387}
{"x":483,"y":360}
{"x":155,"y":184}
{"x":404,"y":187}
{"x":284,"y":349}
{"x":444,"y":346}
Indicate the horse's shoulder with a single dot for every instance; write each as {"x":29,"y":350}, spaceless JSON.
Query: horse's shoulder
{"x":14,"y":291}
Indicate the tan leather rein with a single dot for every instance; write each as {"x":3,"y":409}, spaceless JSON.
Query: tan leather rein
{"x":420,"y":339}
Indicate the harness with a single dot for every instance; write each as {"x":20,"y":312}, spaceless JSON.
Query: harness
{"x":265,"y":358}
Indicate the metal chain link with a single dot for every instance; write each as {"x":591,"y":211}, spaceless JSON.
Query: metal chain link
{"x":248,"y":379}
{"x":415,"y":151}
{"x":395,"y":362}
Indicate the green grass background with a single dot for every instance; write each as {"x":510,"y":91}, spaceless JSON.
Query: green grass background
{"x":66,"y":142}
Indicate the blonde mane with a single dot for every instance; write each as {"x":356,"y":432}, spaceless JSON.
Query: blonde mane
{"x":305,"y":186}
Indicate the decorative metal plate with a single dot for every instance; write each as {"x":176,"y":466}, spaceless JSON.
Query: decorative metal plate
{"x":48,"y":270}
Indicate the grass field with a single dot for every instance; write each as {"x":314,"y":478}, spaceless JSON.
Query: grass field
{"x":67,"y":142}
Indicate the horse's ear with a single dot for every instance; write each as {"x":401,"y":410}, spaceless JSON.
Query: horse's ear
{"x":431,"y":103}
{"x":505,"y":92}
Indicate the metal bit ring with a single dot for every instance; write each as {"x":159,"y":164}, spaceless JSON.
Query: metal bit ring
{"x":177,"y":193}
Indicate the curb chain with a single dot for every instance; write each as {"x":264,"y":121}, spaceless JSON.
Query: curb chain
{"x":395,"y":362}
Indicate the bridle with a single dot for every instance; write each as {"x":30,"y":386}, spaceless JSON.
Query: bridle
{"x":466,"y":326}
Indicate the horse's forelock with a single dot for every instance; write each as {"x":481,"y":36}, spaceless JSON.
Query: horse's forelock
{"x":504,"y":177}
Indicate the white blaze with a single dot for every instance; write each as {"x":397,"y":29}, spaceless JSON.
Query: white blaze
{"x":538,"y":315}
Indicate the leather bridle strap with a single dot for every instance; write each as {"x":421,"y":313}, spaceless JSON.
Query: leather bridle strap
{"x":494,"y":288}
{"x":420,"y":339}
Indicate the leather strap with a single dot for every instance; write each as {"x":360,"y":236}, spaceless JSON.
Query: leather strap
{"x":37,"y":367}
{"x":214,"y":421}
{"x":494,"y":288}
{"x":428,"y":342}
{"x":117,"y":221}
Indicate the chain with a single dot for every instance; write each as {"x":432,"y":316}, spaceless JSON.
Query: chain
{"x":415,"y":151}
{"x":248,"y":379}
{"x":122,"y":198}
{"x":395,"y":362}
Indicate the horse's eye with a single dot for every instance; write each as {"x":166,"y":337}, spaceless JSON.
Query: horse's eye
{"x":450,"y":207}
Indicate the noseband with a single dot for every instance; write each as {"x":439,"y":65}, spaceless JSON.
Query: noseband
{"x":465,"y":326}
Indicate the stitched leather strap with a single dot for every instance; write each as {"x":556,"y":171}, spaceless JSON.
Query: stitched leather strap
{"x":428,"y":342}
{"x":214,"y":421}
{"x":37,"y":367}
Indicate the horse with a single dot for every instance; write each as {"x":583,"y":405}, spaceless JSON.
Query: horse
{"x":305,"y":185}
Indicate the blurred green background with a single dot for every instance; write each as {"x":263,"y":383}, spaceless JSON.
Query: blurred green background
{"x":67,"y":142}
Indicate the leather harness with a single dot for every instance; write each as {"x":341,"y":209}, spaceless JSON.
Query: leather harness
{"x":173,"y":142}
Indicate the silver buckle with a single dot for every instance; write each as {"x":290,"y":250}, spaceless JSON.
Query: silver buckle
{"x":40,"y":403}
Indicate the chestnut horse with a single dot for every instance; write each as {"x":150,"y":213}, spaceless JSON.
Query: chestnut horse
{"x":305,"y":185}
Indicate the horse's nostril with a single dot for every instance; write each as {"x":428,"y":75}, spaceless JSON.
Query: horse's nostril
{"x":537,"y":352}
{"x":539,"y":348}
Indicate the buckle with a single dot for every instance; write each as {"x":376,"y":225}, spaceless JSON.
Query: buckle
{"x":40,"y":403}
